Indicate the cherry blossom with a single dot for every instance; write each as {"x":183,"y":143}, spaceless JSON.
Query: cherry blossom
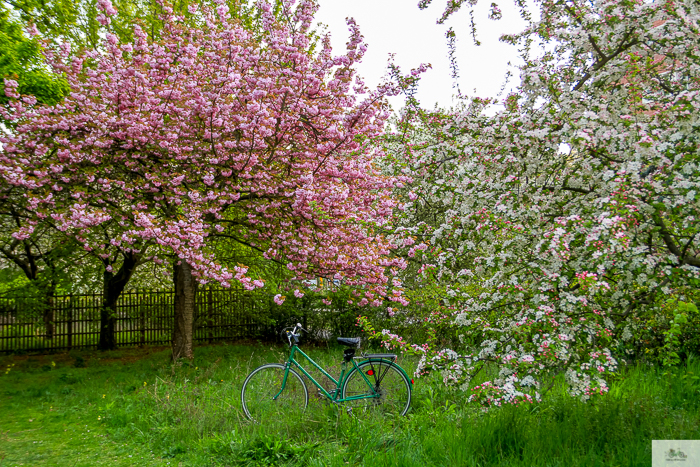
{"x":263,"y":137}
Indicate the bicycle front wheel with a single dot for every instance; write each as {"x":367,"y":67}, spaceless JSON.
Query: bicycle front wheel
{"x":383,"y":389}
{"x":264,"y":397}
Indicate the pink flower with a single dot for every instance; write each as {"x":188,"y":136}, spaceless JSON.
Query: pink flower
{"x":210,"y":150}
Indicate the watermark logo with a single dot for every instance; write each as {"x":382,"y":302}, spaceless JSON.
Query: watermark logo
{"x":684,"y":453}
{"x":676,"y":455}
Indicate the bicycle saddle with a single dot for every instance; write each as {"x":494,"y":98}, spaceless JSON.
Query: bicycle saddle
{"x":349,"y":341}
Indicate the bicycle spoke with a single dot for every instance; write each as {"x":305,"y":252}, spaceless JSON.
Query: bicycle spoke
{"x":261,"y":397}
{"x":388,"y":392}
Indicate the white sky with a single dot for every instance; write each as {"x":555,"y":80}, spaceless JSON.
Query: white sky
{"x":398,"y":26}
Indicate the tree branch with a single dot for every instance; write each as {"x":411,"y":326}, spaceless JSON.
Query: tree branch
{"x":673,"y":248}
{"x":606,"y":58}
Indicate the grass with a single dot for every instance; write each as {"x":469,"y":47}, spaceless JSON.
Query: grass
{"x":131,"y":407}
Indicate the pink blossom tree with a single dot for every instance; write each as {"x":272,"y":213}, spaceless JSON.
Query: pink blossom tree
{"x":548,"y":232}
{"x":213,"y":130}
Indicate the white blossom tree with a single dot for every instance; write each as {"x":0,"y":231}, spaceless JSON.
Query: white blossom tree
{"x":553,"y":227}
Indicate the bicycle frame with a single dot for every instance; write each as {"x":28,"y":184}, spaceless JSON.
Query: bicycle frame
{"x":339,"y":382}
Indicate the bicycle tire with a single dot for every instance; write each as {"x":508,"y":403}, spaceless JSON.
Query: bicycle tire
{"x":389,"y":381}
{"x":264,"y":383}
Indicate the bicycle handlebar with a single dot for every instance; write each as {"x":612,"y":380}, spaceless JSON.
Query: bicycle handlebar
{"x":293,"y":334}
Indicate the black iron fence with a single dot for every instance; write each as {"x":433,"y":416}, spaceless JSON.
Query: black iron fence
{"x":143,"y":317}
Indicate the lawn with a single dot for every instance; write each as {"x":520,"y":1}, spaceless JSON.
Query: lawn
{"x":132,"y":407}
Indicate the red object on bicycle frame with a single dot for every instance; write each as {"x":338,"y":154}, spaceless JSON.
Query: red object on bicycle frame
{"x":370,"y":372}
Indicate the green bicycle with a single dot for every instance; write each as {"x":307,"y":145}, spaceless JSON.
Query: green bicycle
{"x":376,"y":384}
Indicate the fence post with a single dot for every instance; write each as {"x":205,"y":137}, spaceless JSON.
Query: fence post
{"x":142,"y":317}
{"x":69,"y":321}
{"x":210,"y":316}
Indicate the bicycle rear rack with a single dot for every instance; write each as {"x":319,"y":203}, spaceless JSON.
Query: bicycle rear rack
{"x":378,"y":356}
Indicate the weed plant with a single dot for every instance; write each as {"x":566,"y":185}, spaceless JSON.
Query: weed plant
{"x":133,"y":407}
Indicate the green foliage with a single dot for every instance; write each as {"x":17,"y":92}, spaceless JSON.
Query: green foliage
{"x":337,"y":319}
{"x":76,"y":21}
{"x":672,"y":335}
{"x":11,"y":280}
{"x":21,"y":60}
{"x":669,"y":336}
{"x":269,"y":450}
{"x":21,"y":294}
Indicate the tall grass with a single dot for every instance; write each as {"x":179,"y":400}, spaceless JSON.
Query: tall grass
{"x":190,"y":413}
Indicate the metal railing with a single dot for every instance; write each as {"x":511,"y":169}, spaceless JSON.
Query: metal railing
{"x":142,"y":317}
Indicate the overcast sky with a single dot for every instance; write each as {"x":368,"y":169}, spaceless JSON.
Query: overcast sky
{"x":398,"y":26}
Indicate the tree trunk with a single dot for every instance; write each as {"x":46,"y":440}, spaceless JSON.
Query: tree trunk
{"x":108,"y":314}
{"x":48,"y":313}
{"x":113,"y":286}
{"x":184,"y":310}
{"x":30,"y":267}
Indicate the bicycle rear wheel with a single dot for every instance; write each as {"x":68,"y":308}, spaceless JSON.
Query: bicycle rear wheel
{"x":388,"y":391}
{"x":262,"y":396}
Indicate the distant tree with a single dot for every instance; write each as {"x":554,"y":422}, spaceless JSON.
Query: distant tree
{"x":42,"y":260}
{"x":36,"y":257}
{"x":83,"y":23}
{"x":22,"y":61}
